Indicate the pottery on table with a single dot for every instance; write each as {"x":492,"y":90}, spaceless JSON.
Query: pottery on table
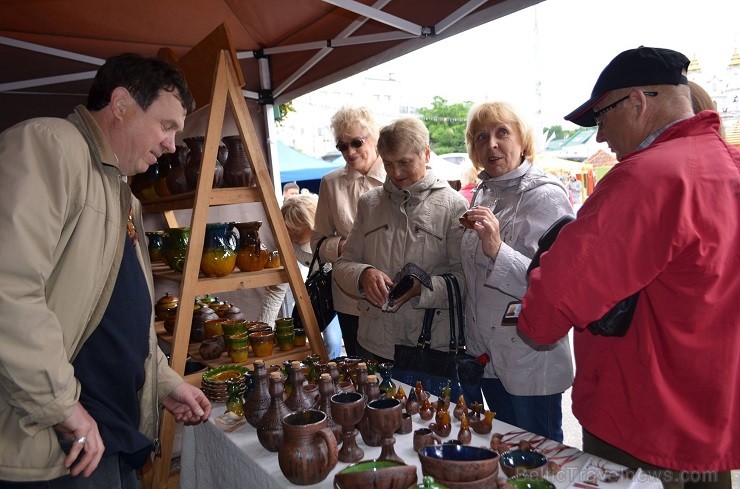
{"x":323,"y":404}
{"x":258,"y":400}
{"x":464,"y":435}
{"x":407,"y":424}
{"x":347,"y":409}
{"x":385,"y":418}
{"x":529,"y":482}
{"x":270,"y":426}
{"x":424,"y":437}
{"x":219,"y":250}
{"x":298,"y":398}
{"x":212,"y":348}
{"x":376,"y":474}
{"x":309,"y":450}
{"x":485,"y":483}
{"x":458,"y":463}
{"x":523,"y":462}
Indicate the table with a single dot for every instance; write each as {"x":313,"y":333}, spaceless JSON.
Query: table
{"x":212,"y":458}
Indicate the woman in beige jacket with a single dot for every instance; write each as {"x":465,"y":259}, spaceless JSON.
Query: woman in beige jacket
{"x":356,"y":133}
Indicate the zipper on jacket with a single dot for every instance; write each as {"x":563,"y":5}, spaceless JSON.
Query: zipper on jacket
{"x":427,"y":231}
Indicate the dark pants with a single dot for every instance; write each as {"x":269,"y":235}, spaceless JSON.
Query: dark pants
{"x":671,"y":479}
{"x":349,"y":324}
{"x":112,"y":473}
{"x":541,"y":415}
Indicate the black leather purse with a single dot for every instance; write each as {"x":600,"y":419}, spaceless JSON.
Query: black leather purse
{"x":318,"y":286}
{"x":617,"y":320}
{"x":439,"y":369}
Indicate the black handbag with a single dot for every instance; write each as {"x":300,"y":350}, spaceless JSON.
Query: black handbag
{"x":617,"y":320}
{"x":439,"y":369}
{"x":318,"y":286}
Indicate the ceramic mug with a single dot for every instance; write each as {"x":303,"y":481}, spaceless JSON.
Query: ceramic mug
{"x":424,"y":437}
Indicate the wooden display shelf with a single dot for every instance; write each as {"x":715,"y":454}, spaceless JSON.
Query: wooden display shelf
{"x":277,"y":357}
{"x":231,"y":282}
{"x":219,"y":196}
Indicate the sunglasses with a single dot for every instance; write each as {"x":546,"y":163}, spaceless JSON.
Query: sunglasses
{"x":355,"y":143}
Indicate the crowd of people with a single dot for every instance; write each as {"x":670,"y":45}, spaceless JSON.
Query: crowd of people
{"x":662,"y":224}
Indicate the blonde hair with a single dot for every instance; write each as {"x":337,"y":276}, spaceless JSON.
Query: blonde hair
{"x":299,"y":212}
{"x":349,"y":115}
{"x":406,"y":133}
{"x":489,"y":113}
{"x":701,"y":100}
{"x":469,"y":174}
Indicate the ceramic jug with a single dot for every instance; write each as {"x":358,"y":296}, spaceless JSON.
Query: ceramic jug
{"x":237,"y":172}
{"x":192,"y":169}
{"x":219,"y":250}
{"x":258,"y":400}
{"x":252,"y":255}
{"x":270,"y":427}
{"x":176,"y":182}
{"x":309,"y":450}
{"x":175,"y":241}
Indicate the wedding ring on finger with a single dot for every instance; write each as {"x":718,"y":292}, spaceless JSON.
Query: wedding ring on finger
{"x":81,"y":440}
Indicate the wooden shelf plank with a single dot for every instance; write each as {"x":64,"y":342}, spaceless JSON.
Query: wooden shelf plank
{"x":219,"y":196}
{"x":229,"y":283}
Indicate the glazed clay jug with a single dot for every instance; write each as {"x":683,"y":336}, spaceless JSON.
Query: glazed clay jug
{"x":160,"y":184}
{"x":309,"y":450}
{"x":175,"y":242}
{"x":270,"y":427}
{"x":258,"y":400}
{"x":219,"y":250}
{"x":252,"y":255}
{"x":176,"y":182}
{"x":237,"y":172}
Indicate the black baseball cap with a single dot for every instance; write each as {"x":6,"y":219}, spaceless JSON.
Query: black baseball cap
{"x":633,"y":68}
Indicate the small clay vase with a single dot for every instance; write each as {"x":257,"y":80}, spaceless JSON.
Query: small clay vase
{"x":192,"y":169}
{"x":401,"y":396}
{"x":372,"y":388}
{"x":176,"y":181}
{"x":360,"y":377}
{"x":460,"y":408}
{"x":258,"y":400}
{"x":237,"y":172}
{"x":219,"y":250}
{"x":270,"y":427}
{"x":326,"y":390}
{"x":155,"y":245}
{"x":175,"y":241}
{"x":160,"y":184}
{"x":426,"y":411}
{"x":333,"y":371}
{"x":412,"y":403}
{"x":298,"y":398}
{"x":464,"y":436}
{"x":309,"y":450}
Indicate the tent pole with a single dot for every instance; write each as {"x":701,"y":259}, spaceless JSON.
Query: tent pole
{"x":270,"y":128}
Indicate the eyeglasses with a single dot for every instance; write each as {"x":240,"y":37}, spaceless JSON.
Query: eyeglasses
{"x":355,"y":143}
{"x":598,"y":114}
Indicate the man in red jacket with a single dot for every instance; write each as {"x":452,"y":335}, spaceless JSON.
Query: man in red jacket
{"x":663,"y":222}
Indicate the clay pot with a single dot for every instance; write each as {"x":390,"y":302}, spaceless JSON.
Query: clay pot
{"x":376,"y":474}
{"x":192,"y":169}
{"x":212,"y":348}
{"x":166,"y":307}
{"x":270,"y":427}
{"x":176,"y":181}
{"x":176,"y":247}
{"x":234,"y":313}
{"x":237,"y":172}
{"x":200,"y":316}
{"x":258,"y":400}
{"x":309,"y":450}
{"x":298,"y":398}
{"x":262,"y":343}
{"x":424,"y":437}
{"x":155,"y":245}
{"x":160,"y":183}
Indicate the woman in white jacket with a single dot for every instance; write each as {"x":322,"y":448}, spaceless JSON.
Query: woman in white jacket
{"x":511,"y":208}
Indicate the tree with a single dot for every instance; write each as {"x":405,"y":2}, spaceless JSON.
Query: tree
{"x":446,"y":123}
{"x":558,"y":131}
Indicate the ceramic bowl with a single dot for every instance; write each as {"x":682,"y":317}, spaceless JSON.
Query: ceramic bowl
{"x":458,"y":463}
{"x":523,"y":462}
{"x":262,"y":343}
{"x":377,"y":474}
{"x":485,"y":483}
{"x":529,"y":482}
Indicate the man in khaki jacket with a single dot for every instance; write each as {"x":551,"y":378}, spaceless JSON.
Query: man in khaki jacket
{"x":81,"y":376}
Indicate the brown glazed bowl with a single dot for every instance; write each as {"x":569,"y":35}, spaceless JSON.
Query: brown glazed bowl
{"x":376,"y":474}
{"x":485,"y":483}
{"x":458,"y":463}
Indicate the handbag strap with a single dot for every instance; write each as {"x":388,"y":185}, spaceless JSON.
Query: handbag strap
{"x":455,"y":309}
{"x":316,"y":256}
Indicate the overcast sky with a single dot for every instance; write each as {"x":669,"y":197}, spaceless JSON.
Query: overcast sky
{"x":505,"y":60}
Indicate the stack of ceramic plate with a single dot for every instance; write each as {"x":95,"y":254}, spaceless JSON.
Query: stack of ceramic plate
{"x":214,"y":381}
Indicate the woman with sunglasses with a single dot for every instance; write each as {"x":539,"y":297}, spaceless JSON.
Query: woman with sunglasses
{"x":356,"y":134}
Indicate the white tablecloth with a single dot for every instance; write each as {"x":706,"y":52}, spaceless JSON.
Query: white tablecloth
{"x":212,"y":458}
